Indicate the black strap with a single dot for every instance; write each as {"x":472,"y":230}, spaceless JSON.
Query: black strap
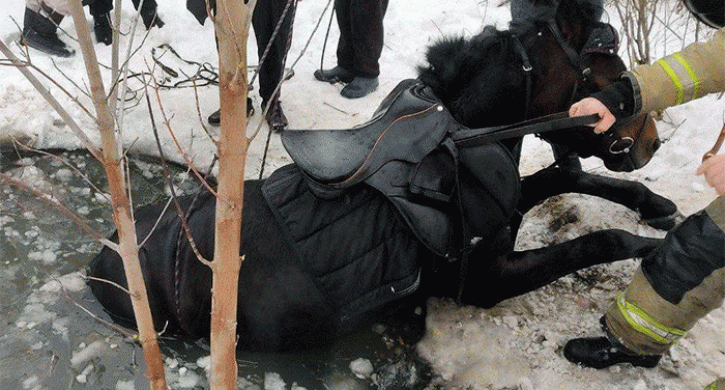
{"x":526,"y":67}
{"x":542,"y":124}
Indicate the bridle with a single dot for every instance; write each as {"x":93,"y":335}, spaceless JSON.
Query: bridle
{"x":622,"y":145}
{"x":556,"y":121}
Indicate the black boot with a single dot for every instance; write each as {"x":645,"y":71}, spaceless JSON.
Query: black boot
{"x":276,"y":119}
{"x":41,"y":33}
{"x":359,"y":87}
{"x":102,"y":29}
{"x":334,"y":75}
{"x":600,"y":352}
{"x":215,"y":119}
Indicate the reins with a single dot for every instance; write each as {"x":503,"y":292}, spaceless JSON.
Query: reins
{"x":543,"y":124}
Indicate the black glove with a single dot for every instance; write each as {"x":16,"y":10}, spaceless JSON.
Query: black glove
{"x":618,"y":97}
{"x":102,"y":28}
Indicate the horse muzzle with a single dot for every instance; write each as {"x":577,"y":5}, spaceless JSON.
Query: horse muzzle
{"x":632,"y":144}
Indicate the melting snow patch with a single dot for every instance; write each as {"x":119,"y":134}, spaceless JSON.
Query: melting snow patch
{"x":125,"y":385}
{"x":86,"y":353}
{"x":362,"y":368}
{"x":273,"y":381}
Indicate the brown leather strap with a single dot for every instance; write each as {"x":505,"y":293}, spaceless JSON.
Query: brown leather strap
{"x":717,"y":145}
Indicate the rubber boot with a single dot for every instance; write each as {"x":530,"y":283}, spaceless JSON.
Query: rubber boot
{"x":41,"y":33}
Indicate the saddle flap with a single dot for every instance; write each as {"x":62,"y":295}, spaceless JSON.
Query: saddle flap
{"x":489,"y":188}
{"x":408,"y":125}
{"x":435,"y":177}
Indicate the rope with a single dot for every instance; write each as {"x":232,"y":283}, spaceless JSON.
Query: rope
{"x":324,"y":43}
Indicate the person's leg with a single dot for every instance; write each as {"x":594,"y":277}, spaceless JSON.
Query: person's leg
{"x":345,"y":50}
{"x":343,"y":71}
{"x":679,"y":283}
{"x":100,"y":10}
{"x":265,"y":19}
{"x":367,"y":39}
{"x":367,"y":36}
{"x":148,"y":13}
{"x":272,"y":51}
{"x":40,"y":26}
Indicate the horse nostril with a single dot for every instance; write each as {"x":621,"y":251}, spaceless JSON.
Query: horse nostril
{"x":656,"y":145}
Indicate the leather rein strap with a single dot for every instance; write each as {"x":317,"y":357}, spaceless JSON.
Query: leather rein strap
{"x":543,"y":124}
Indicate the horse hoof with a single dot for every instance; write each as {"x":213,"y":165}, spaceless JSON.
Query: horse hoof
{"x":666,"y":222}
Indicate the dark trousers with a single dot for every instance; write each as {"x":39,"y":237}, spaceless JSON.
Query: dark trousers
{"x":361,"y":35}
{"x":267,"y":14}
{"x":102,"y":7}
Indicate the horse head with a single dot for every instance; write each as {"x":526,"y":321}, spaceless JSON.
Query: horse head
{"x":592,"y":64}
{"x":539,"y":67}
{"x":629,"y":144}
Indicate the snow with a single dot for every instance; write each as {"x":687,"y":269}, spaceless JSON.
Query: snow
{"x":516,"y":345}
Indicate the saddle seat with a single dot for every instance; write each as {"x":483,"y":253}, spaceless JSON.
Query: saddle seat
{"x":409,"y":123}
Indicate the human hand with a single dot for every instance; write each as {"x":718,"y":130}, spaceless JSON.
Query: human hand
{"x":590,"y":105}
{"x":714,"y":171}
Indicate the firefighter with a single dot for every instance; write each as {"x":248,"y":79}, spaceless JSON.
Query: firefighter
{"x":684,"y":279}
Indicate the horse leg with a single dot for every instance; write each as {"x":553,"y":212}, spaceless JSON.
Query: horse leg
{"x":655,"y":210}
{"x":524,"y":271}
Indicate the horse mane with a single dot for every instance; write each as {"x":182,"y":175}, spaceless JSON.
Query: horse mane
{"x":480,"y":79}
{"x":473,"y":76}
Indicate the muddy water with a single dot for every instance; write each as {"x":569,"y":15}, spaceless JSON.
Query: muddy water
{"x":49,"y":337}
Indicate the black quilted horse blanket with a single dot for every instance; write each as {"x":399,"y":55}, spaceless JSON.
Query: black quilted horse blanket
{"x":357,"y":247}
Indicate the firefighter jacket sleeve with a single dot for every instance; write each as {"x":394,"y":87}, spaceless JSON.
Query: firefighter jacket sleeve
{"x":697,"y":70}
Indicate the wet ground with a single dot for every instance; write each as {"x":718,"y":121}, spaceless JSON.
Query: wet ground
{"x":52,"y":332}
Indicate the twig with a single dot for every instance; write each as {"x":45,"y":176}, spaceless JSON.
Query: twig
{"x":109,"y":324}
{"x":72,"y":124}
{"x":715,"y":148}
{"x":182,"y":215}
{"x":181,"y":150}
{"x":56,"y":204}
{"x":83,"y":176}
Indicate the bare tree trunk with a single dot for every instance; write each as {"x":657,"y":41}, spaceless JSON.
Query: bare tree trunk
{"x":122,"y":216}
{"x":231,"y":25}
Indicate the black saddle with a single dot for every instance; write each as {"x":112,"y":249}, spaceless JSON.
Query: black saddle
{"x":409,"y":123}
{"x":407,"y":153}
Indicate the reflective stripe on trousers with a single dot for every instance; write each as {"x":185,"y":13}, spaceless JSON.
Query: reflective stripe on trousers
{"x":643,"y":323}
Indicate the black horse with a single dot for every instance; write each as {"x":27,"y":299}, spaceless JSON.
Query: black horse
{"x":319,"y":261}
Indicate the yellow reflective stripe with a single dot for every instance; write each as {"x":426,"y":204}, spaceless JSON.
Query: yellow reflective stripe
{"x":696,"y":82}
{"x":643,"y":323}
{"x":675,"y":80}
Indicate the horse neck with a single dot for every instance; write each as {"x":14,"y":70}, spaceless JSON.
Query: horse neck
{"x":555,"y":77}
